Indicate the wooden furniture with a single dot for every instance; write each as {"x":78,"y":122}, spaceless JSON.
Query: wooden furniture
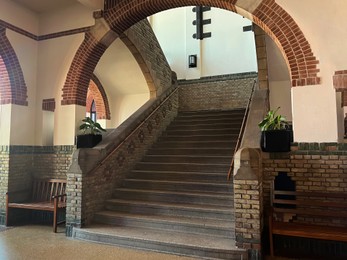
{"x":308,"y":215}
{"x":46,"y":195}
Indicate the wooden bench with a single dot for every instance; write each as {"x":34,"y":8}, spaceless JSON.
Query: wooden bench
{"x":308,"y":215}
{"x":46,"y":195}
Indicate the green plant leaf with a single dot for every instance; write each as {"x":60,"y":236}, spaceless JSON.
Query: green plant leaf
{"x":273,"y":122}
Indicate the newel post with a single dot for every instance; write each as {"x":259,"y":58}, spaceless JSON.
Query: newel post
{"x":248,"y":201}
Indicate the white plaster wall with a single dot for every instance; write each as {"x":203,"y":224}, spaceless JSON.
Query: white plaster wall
{"x":26,"y":50}
{"x":324,"y":30}
{"x":5,"y":124}
{"x":280,"y":96}
{"x":55,"y":59}
{"x":124,"y":106}
{"x":176,"y":54}
{"x":47,"y":128}
{"x":17,"y":15}
{"x":66,"y":124}
{"x":229,"y":50}
{"x":279,"y":80}
{"x":72,"y":17}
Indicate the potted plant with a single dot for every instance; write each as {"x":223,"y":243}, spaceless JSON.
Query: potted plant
{"x":276,"y":134}
{"x":91,"y":135}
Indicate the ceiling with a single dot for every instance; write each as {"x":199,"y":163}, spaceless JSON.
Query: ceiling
{"x":41,"y":6}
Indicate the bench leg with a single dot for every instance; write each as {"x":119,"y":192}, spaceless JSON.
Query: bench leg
{"x":55,"y":213}
{"x":7,"y":211}
{"x":271,"y":245}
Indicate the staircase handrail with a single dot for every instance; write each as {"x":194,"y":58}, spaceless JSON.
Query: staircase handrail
{"x":242,"y":130}
{"x":133,"y":131}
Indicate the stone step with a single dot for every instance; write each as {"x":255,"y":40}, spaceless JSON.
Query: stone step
{"x":177,"y":185}
{"x":184,"y":167}
{"x":212,"y":113}
{"x":195,"y":144}
{"x":203,"y":125}
{"x":170,"y":209}
{"x":212,"y":151}
{"x":172,"y":242}
{"x":225,"y":199}
{"x":187,"y":159}
{"x":180,"y":176}
{"x":195,"y":225}
{"x":212,"y":137}
{"x":187,"y":132}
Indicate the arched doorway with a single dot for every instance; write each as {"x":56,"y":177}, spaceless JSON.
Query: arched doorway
{"x":267,"y":14}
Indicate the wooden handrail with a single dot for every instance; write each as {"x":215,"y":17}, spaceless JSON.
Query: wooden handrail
{"x":132,"y":132}
{"x":242,"y":130}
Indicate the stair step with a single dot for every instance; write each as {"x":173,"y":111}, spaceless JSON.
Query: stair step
{"x":187,"y":158}
{"x":212,"y":137}
{"x":189,"y":151}
{"x":225,"y":199}
{"x":181,"y":176}
{"x":196,"y":144}
{"x":189,"y":125}
{"x":156,"y":240}
{"x":227,"y":130}
{"x":177,"y":185}
{"x":187,"y":225}
{"x":170,"y":209}
{"x":212,"y":113}
{"x":191,"y":167}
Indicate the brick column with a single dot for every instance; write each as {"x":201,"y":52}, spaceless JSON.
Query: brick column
{"x":74,"y":195}
{"x":248,"y":201}
{"x":4,"y":171}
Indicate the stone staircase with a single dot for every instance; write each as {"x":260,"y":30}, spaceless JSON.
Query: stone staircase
{"x":177,"y":200}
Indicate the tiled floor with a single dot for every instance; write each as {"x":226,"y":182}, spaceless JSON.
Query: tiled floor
{"x":39,"y":242}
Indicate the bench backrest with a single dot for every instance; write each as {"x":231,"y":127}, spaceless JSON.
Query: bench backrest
{"x":44,"y":189}
{"x":322,"y":204}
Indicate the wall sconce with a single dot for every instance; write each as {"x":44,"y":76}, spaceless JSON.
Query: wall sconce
{"x":192,"y":61}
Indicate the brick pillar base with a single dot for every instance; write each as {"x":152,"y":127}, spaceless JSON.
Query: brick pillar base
{"x":248,"y":201}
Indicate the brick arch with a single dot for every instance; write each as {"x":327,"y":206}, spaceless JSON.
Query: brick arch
{"x":81,"y":70}
{"x":97,"y":93}
{"x":268,"y":15}
{"x":93,"y":47}
{"x":13,"y":89}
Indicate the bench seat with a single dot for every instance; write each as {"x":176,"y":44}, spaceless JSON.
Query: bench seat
{"x":309,"y":231}
{"x":44,"y":205}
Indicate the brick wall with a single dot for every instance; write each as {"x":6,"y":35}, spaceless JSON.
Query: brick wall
{"x":87,"y":189}
{"x":220,"y":92}
{"x":52,"y":161}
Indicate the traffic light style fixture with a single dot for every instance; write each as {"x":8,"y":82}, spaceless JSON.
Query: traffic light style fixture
{"x":200,"y":22}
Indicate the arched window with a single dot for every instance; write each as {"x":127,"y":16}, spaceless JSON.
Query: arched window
{"x":93,"y":111}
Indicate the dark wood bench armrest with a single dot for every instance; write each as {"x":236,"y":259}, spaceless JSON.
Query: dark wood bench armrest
{"x":58,"y":196}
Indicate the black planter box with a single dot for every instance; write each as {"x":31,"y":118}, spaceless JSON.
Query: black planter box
{"x":276,"y":140}
{"x":87,"y":141}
